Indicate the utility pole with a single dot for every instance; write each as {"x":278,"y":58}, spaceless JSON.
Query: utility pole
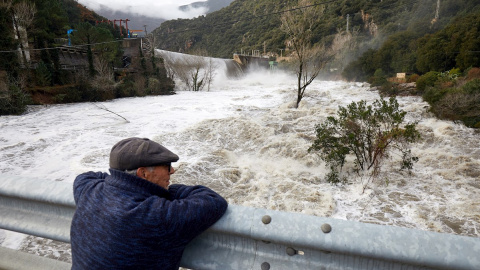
{"x":438,"y":10}
{"x":145,"y":29}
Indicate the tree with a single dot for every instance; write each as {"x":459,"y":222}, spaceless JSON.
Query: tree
{"x":8,"y":61}
{"x":153,"y":76}
{"x":362,"y":68}
{"x":23,"y":15}
{"x":309,"y":58}
{"x":370,"y":133}
{"x":397,"y":53}
{"x":103,"y":82}
{"x":13,"y":97}
{"x":13,"y":82}
{"x":454,"y":46}
{"x":194,"y":71}
{"x":50,"y":22}
{"x":98,"y":40}
{"x":432,"y":54}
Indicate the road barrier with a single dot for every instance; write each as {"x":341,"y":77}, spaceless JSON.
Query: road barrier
{"x":246,"y":238}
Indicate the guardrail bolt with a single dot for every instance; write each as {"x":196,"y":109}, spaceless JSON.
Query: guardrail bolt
{"x":265,"y":266}
{"x":326,"y":228}
{"x":266,"y":219}
{"x":291,"y":251}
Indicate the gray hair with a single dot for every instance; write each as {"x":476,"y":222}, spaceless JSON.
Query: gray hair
{"x":134,"y":171}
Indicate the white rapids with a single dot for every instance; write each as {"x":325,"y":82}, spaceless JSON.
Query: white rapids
{"x":245,"y":139}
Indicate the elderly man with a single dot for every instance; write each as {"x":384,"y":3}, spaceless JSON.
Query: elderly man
{"x":132,"y":218}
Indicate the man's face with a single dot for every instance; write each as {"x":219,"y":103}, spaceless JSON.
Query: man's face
{"x":160,"y":175}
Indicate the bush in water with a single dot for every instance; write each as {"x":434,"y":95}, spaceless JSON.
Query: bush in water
{"x":13,"y":100}
{"x":370,"y":133}
{"x":455,"y":98}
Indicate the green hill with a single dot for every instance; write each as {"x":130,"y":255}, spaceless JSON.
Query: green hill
{"x":248,"y":25}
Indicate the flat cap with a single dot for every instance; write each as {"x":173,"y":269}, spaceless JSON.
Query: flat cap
{"x":133,"y":153}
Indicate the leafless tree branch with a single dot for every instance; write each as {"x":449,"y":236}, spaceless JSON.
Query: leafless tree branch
{"x":103,"y":107}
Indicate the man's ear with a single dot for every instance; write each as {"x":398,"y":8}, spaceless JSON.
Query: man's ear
{"x":141,"y":172}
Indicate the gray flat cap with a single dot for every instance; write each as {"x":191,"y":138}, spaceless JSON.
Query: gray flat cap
{"x":133,"y":153}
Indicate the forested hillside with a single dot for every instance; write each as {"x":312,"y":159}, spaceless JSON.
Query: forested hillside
{"x":68,"y":53}
{"x":44,"y":21}
{"x":248,"y":25}
{"x":455,"y":46}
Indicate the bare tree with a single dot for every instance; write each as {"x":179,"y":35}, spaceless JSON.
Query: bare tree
{"x":195,"y":71}
{"x":103,"y":80}
{"x":211,"y":72}
{"x":168,"y":63}
{"x":309,"y":58}
{"x":23,"y":15}
{"x":103,"y":107}
{"x":103,"y":68}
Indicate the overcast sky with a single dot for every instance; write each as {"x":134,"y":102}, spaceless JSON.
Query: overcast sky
{"x":166,"y":9}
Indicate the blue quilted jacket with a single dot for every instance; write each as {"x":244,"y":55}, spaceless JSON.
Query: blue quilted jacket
{"x":125,"y":222}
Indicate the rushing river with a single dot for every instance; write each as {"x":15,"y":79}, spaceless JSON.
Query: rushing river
{"x":245,"y":139}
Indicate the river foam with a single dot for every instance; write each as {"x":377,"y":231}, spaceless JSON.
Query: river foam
{"x":245,"y":139}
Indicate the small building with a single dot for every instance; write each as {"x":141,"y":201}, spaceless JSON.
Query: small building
{"x":402,"y":76}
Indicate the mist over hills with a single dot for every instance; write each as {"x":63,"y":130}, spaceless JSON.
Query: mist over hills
{"x":136,"y":21}
{"x":210,"y":5}
{"x":139,"y":21}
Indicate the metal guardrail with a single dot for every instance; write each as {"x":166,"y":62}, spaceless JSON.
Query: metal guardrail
{"x":252,"y":238}
{"x":13,"y":259}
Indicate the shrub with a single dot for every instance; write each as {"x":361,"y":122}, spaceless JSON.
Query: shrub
{"x":104,"y":87}
{"x":154,"y":86}
{"x":413,"y":78}
{"x":426,"y":80}
{"x":459,"y":105}
{"x":370,"y":133}
{"x":456,"y":103}
{"x":43,"y":75}
{"x":388,"y":89}
{"x":379,"y":78}
{"x":433,"y":94}
{"x":454,"y":73}
{"x":13,"y":100}
{"x":473,"y":73}
{"x":72,"y":94}
{"x":472,"y":87}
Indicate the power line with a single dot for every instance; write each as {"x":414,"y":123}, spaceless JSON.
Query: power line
{"x":386,"y":5}
{"x":257,"y":17}
{"x":196,"y":28}
{"x":220,"y":24}
{"x":190,"y":29}
{"x":59,"y":47}
{"x":288,"y":10}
